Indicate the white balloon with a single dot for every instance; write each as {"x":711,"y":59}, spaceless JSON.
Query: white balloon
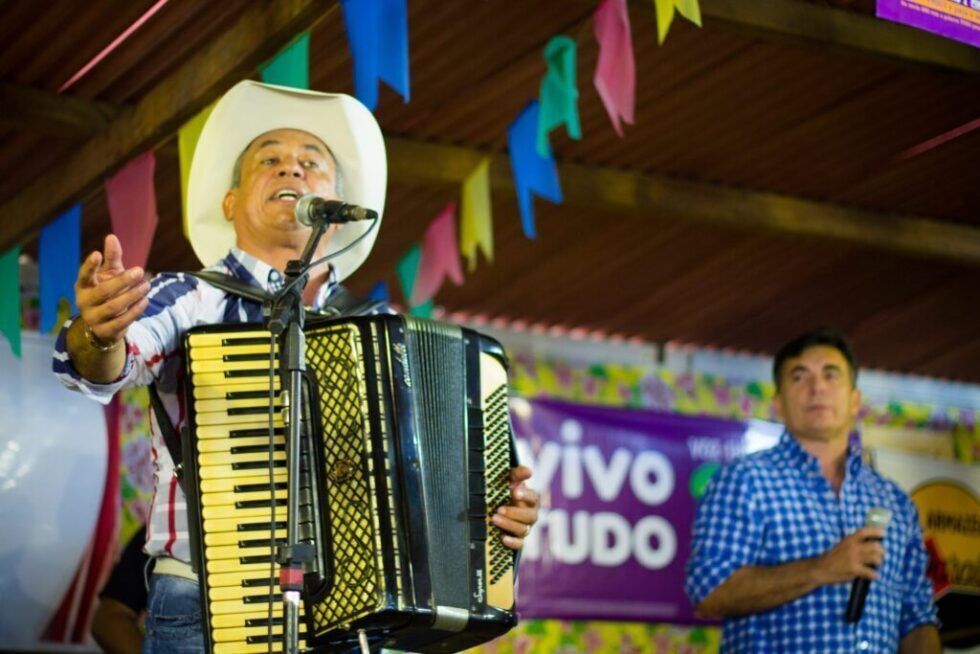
{"x":53,"y":454}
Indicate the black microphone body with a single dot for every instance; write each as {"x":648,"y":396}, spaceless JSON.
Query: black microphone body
{"x":877,"y":517}
{"x":312,"y":209}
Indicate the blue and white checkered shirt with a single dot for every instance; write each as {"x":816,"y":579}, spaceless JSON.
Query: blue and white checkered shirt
{"x":774,"y":507}
{"x":177,"y":302}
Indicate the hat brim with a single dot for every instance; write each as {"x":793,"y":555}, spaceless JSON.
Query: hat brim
{"x":250,"y":109}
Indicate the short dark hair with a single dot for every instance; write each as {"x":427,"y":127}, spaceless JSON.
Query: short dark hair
{"x":236,"y":170}
{"x":820,"y":336}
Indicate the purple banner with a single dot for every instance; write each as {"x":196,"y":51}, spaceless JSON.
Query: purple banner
{"x":954,"y":19}
{"x":619,"y":489}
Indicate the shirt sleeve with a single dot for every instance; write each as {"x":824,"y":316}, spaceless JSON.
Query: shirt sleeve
{"x":918,"y":607}
{"x":173,"y":307}
{"x":728,"y":532}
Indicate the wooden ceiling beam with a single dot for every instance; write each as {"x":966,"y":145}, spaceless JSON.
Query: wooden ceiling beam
{"x":263,"y":29}
{"x":413,"y":162}
{"x":814,"y":24}
{"x":49,"y":114}
{"x":604,"y":189}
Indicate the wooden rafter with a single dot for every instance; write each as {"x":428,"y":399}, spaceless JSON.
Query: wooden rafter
{"x":810,"y":23}
{"x":607,"y":189}
{"x":601,"y":188}
{"x":260,"y":32}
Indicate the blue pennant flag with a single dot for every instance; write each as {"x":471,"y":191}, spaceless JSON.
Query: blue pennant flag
{"x":59,"y":255}
{"x":533,"y":174}
{"x":377,"y":32}
{"x":379,"y":292}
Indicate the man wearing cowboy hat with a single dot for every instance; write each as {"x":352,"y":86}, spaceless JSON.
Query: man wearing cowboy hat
{"x":262,"y":148}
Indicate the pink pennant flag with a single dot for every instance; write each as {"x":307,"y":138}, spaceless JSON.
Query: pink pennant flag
{"x":440,"y":256}
{"x":615,"y":73}
{"x":133,"y":208}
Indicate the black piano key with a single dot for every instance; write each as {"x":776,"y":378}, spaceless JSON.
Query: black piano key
{"x":261,"y":582}
{"x":262,"y":622}
{"x":258,"y":504}
{"x":258,"y":431}
{"x":261,"y":599}
{"x":258,"y":558}
{"x":252,"y":449}
{"x":258,"y":488}
{"x":247,"y":395}
{"x":254,"y":372}
{"x":261,"y":526}
{"x":259,"y":356}
{"x":255,"y":340}
{"x":257,"y":465}
{"x":259,"y":542}
{"x":249,"y":411}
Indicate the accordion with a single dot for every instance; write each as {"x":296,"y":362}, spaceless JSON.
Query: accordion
{"x":407,"y":448}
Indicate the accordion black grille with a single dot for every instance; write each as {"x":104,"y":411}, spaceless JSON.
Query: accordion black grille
{"x":353,"y":574}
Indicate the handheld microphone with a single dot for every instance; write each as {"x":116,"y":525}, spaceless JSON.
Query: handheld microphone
{"x":312,"y":209}
{"x":877,"y":517}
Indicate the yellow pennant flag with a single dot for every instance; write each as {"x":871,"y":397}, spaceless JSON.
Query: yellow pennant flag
{"x":689,"y":9}
{"x":187,"y":137}
{"x":477,"y":221}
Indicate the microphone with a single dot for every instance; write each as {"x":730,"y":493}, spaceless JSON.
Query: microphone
{"x":311,"y":209}
{"x":877,"y":517}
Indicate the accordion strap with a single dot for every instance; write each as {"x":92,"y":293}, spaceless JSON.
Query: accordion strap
{"x":341,"y":303}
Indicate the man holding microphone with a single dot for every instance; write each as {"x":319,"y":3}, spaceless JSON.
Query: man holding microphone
{"x":785,"y":539}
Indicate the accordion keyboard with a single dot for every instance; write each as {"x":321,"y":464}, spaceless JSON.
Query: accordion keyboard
{"x":230,"y":374}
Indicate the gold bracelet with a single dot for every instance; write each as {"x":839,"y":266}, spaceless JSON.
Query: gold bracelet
{"x":95,"y":342}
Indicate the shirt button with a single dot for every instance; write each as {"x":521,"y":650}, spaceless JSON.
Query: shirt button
{"x":864,"y":645}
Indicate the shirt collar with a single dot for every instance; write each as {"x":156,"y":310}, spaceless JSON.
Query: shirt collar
{"x":254,"y":271}
{"x":790,"y":450}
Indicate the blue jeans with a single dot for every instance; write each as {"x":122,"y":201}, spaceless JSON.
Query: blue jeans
{"x":173,"y":617}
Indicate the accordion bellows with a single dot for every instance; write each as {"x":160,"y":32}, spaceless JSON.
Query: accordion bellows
{"x":407,"y":447}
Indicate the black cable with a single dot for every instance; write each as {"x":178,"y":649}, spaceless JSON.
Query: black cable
{"x":286,"y":289}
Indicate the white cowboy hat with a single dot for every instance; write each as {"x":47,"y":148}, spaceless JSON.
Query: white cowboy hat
{"x":250,"y":109}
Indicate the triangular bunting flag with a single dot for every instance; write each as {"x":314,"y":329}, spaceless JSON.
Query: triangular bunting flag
{"x":10,"y":298}
{"x":291,"y":67}
{"x":407,"y":269}
{"x":689,"y":9}
{"x":476,"y":220}
{"x":379,"y":292}
{"x":132,"y":201}
{"x":533,"y":174}
{"x":59,"y":254}
{"x":377,"y":32}
{"x":187,"y":137}
{"x":440,"y":256}
{"x":559,"y":94}
{"x":615,"y":72}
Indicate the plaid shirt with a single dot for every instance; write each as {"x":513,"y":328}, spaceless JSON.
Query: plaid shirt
{"x":774,"y":507}
{"x":177,"y":302}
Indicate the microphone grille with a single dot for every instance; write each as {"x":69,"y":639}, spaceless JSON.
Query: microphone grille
{"x":303,"y":209}
{"x":878,"y":517}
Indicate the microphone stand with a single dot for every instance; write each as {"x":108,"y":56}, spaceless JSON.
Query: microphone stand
{"x":285,"y":318}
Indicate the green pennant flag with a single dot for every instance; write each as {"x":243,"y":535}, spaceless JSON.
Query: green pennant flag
{"x":558,"y":96}
{"x":291,"y":67}
{"x":408,"y":269}
{"x":10,"y":298}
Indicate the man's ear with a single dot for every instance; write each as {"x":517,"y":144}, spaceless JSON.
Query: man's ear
{"x":228,"y":204}
{"x":856,"y":398}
